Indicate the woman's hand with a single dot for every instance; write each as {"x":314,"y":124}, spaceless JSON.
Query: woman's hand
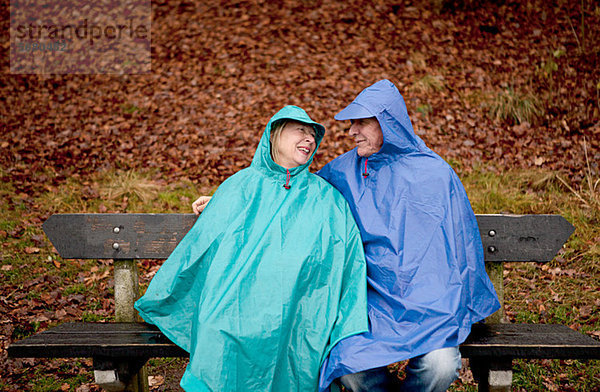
{"x":201,"y":203}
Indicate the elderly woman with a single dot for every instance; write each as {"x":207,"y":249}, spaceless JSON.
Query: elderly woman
{"x":271,"y":276}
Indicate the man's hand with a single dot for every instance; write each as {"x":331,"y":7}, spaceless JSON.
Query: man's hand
{"x":201,"y":203}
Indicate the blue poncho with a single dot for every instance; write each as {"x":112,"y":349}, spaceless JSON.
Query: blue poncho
{"x":426,"y":277}
{"x":267,"y":280}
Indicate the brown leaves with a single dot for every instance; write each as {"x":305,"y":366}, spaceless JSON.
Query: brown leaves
{"x":155,"y":381}
{"x":96,"y":275}
{"x":219,"y":73}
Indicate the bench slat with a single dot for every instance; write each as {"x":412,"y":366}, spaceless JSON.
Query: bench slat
{"x":73,"y":340}
{"x":154,"y":236}
{"x":534,"y":341}
{"x":139,"y":236}
{"x":523,"y":237}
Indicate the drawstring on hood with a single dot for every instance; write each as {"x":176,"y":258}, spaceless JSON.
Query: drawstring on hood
{"x":365,"y":173}
{"x":287,"y":181}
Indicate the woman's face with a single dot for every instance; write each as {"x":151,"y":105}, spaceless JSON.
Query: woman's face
{"x":296,"y":145}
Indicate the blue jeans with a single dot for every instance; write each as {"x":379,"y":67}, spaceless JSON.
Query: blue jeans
{"x":431,"y":372}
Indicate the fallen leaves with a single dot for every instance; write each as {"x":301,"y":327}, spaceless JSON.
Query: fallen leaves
{"x":96,"y":275}
{"x":31,"y":250}
{"x":155,"y":381}
{"x":219,"y":73}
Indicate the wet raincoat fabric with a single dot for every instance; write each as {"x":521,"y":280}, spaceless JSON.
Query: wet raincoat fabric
{"x":267,"y":280}
{"x":426,"y":277}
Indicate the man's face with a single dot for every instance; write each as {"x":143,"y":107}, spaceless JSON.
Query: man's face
{"x":367,"y":135}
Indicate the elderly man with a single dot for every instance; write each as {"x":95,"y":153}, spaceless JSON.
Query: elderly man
{"x":426,"y":277}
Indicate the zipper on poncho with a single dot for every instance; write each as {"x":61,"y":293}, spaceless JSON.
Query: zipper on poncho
{"x":366,"y":174}
{"x":287,"y":181}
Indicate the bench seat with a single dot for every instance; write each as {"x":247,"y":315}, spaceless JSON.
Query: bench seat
{"x":74,"y":340}
{"x":530,"y":341}
{"x":70,"y":340}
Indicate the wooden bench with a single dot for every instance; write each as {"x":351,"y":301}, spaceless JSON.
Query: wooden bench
{"x":120,"y":350}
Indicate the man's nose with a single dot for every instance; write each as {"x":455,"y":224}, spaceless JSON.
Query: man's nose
{"x":353,"y":131}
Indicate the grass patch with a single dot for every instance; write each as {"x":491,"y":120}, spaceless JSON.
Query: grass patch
{"x":428,"y":84}
{"x":91,"y":317}
{"x":65,"y":378}
{"x":556,"y":375}
{"x":129,"y":184}
{"x":425,"y":109}
{"x":515,"y":107}
{"x":77,"y":288}
{"x":459,"y":387}
{"x":121,"y":191}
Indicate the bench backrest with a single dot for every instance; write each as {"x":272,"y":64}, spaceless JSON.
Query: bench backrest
{"x":154,"y":236}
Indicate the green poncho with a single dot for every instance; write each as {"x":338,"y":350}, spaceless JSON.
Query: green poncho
{"x":266,"y":282}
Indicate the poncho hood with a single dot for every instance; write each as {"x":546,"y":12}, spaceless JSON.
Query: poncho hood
{"x":426,"y":276}
{"x":266,"y":282}
{"x":263,"y":160}
{"x":383,"y":101}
